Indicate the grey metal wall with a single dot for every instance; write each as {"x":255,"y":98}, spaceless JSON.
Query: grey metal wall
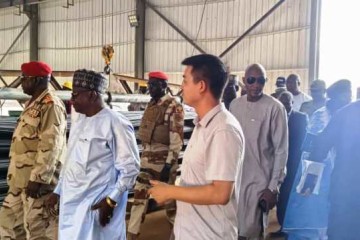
{"x":10,"y":27}
{"x":280,"y":43}
{"x":72,"y":38}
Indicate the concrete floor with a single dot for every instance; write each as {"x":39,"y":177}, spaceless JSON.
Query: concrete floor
{"x":156,"y":227}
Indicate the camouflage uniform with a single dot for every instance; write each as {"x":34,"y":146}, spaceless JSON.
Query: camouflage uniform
{"x":161,"y":133}
{"x":37,"y":146}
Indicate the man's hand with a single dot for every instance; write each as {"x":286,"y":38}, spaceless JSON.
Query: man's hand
{"x":309,"y":185}
{"x":270,"y":199}
{"x":159,"y":191}
{"x":105,"y":212}
{"x":33,"y":190}
{"x":51,"y":202}
{"x":165,"y":173}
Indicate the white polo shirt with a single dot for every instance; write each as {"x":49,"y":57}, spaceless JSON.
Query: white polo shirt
{"x":215,"y":152}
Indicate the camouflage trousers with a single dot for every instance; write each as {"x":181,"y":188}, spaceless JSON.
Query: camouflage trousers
{"x":23,"y":218}
{"x":139,"y":207}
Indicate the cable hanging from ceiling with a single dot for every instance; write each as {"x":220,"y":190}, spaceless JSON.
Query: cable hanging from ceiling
{"x":108,"y":49}
{"x":201,"y":20}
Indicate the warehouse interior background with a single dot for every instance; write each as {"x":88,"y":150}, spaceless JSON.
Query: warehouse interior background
{"x":313,"y":38}
{"x":286,"y":41}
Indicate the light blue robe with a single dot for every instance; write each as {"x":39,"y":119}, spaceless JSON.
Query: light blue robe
{"x":307,"y":216}
{"x":102,"y":160}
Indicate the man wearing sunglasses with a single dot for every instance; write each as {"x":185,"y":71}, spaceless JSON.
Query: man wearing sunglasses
{"x":37,"y":146}
{"x":161,"y":134}
{"x":264,"y":122}
{"x":101,"y":165}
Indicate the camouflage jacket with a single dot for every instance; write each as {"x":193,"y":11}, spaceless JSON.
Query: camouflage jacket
{"x":159,"y":153}
{"x":38,"y":142}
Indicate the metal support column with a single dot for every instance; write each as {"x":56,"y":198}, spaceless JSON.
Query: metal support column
{"x":314,"y":40}
{"x":140,"y":40}
{"x":32,"y":11}
{"x":174,"y":27}
{"x":260,"y":20}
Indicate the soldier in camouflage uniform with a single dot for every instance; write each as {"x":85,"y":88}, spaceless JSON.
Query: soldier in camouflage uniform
{"x":37,"y":146}
{"x":161,"y":134}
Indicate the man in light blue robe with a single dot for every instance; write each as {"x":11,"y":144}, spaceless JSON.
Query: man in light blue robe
{"x":307,"y":215}
{"x":102,"y":164}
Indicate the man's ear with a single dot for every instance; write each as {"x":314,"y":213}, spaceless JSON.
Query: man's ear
{"x":93,"y":96}
{"x":243,"y":79}
{"x":203,"y":86}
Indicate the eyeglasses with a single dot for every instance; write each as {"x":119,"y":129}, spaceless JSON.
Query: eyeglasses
{"x":23,"y":77}
{"x":251,"y":80}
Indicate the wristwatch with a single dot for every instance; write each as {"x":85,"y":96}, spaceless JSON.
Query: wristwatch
{"x":111,"y":202}
{"x":275,"y":191}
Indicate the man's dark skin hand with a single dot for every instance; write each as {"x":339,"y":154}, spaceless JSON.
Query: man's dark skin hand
{"x":51,"y":202}
{"x":270,"y":199}
{"x":165,"y":173}
{"x":105,"y":211}
{"x":33,"y":189}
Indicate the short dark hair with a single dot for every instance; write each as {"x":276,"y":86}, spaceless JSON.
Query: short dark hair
{"x":209,"y":68}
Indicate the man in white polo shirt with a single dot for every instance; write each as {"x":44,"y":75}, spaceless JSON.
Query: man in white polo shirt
{"x":211,"y":170}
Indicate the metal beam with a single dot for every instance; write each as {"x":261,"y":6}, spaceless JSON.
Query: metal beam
{"x":15,"y":41}
{"x":174,"y":26}
{"x":15,"y":83}
{"x":260,"y":20}
{"x":126,"y":86}
{"x":3,"y":81}
{"x":17,"y":94}
{"x":314,"y":40}
{"x":55,"y":83}
{"x":32,"y":11}
{"x":121,"y":77}
{"x":140,"y":41}
{"x":15,"y":73}
{"x":11,"y":3}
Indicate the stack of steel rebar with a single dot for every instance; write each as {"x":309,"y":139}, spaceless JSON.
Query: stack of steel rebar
{"x":7,"y":126}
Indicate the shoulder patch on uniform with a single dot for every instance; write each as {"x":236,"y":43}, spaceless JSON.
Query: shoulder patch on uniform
{"x":48,"y":99}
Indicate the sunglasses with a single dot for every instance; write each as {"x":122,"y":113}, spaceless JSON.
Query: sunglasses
{"x":251,"y":80}
{"x":23,"y":77}
{"x":154,"y":84}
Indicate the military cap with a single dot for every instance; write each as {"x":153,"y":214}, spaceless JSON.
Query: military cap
{"x":158,"y":75}
{"x":280,"y":82}
{"x":36,"y":69}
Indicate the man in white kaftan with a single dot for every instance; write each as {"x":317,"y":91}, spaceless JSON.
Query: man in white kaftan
{"x":264,"y":122}
{"x":101,"y":165}
{"x":293,"y":86}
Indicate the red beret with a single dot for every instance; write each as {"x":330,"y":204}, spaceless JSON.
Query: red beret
{"x":36,"y":69}
{"x":158,"y":75}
